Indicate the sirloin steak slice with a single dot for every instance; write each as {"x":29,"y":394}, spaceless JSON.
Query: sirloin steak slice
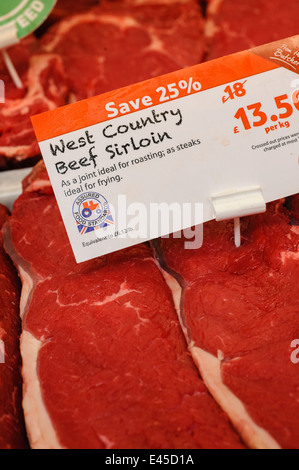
{"x":120,"y":43}
{"x":105,"y":363}
{"x":12,"y":429}
{"x":233,"y":26}
{"x":44,"y":88}
{"x":240,"y":311}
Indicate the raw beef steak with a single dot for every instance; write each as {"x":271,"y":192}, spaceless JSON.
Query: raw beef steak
{"x":44,"y":88}
{"x":120,"y":43}
{"x":233,"y":26}
{"x":105,"y":363}
{"x":12,"y":429}
{"x":240,"y":311}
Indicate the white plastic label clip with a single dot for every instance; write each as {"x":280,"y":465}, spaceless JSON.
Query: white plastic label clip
{"x":236,"y":204}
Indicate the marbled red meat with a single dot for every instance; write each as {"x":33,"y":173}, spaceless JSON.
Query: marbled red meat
{"x":12,"y":428}
{"x":43,"y":89}
{"x":239,"y":307}
{"x":120,"y":43}
{"x":294,"y":207}
{"x":233,"y":26}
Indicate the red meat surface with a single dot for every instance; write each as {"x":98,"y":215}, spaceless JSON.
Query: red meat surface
{"x":294,"y":207}
{"x":113,"y":45}
{"x":120,"y":43}
{"x":12,"y":429}
{"x":43,"y":89}
{"x":240,"y":306}
{"x":233,"y":26}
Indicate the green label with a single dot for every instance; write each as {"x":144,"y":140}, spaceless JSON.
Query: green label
{"x":26,"y":15}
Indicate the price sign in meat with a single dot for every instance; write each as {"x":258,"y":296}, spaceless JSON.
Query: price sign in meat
{"x":229,"y":126}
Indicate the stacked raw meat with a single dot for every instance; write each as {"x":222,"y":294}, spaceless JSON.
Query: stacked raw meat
{"x":154,"y":346}
{"x":146,"y":34}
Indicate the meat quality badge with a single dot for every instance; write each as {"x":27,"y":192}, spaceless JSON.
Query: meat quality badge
{"x":91,"y":212}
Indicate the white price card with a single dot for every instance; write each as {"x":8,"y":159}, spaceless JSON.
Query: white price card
{"x":145,"y":161}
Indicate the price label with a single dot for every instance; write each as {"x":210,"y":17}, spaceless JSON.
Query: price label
{"x":168,"y":145}
{"x":18,"y":18}
{"x":284,"y":110}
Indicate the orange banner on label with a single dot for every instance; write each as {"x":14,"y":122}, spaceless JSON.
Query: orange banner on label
{"x":150,"y":93}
